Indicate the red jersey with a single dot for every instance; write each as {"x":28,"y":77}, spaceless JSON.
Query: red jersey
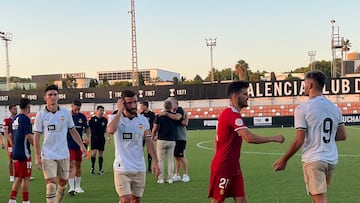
{"x":6,"y":125}
{"x":228,"y":145}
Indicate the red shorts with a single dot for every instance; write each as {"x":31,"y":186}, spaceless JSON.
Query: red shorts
{"x":222,"y":186}
{"x":75,"y":155}
{"x":22,"y":169}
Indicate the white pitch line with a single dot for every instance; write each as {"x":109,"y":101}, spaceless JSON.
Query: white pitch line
{"x":264,"y":153}
{"x":353,"y":127}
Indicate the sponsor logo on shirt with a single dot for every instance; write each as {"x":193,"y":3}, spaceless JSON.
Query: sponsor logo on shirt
{"x":51,"y":127}
{"x":127,"y":136}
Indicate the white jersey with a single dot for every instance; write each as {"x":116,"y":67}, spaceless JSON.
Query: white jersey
{"x":128,"y":139}
{"x":320,"y":118}
{"x":54,"y":126}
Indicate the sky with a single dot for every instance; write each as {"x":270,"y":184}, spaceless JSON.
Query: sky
{"x":70,"y":36}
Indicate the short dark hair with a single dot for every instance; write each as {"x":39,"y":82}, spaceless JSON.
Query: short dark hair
{"x":52,"y":87}
{"x":24,"y":102}
{"x":127,"y":93}
{"x":11,"y":106}
{"x":100,"y":107}
{"x":236,"y":86}
{"x":77,"y":102}
{"x":145,"y":103}
{"x":318,"y":76}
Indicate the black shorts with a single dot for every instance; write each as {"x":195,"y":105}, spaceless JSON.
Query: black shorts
{"x":98,"y":143}
{"x":180,"y":148}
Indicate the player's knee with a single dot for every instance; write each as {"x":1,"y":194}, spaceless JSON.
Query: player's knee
{"x":125,"y":199}
{"x":50,"y":191}
{"x":62,"y":183}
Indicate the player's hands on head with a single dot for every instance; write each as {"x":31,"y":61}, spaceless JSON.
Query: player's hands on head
{"x":120,"y":105}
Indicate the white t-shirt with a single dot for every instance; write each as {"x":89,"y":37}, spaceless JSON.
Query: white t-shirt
{"x":128,"y":139}
{"x":320,"y":118}
{"x":54,"y":127}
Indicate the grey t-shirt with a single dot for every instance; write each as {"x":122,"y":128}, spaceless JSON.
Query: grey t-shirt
{"x":181,"y":130}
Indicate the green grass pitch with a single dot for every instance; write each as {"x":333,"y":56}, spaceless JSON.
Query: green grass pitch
{"x":262,"y":184}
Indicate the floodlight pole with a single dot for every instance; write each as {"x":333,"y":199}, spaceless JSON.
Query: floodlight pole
{"x":211,"y":43}
{"x":312,"y":55}
{"x":7,"y":37}
{"x":134,"y":58}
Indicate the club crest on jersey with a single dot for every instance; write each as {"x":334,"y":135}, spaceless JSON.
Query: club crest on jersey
{"x":239,"y":122}
{"x":103,"y":123}
{"x":80,"y":120}
{"x":62,"y":118}
{"x":141,"y":127}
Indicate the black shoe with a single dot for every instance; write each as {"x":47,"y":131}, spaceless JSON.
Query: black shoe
{"x":101,"y":172}
{"x":92,"y":171}
{"x":72,"y":193}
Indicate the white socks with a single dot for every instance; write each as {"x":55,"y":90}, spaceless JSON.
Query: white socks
{"x":77,"y":182}
{"x":71,"y":184}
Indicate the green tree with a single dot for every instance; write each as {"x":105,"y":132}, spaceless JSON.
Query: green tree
{"x":241,"y":69}
{"x":221,"y":75}
{"x":346,"y":44}
{"x":122,"y":84}
{"x":141,"y":80}
{"x":182,"y":79}
{"x":93,"y":83}
{"x":324,"y":66}
{"x":69,"y":82}
{"x":357,"y":70}
{"x":272,"y":76}
{"x":176,"y":80}
{"x":255,"y":76}
{"x":303,"y":69}
{"x":198,"y":79}
{"x":105,"y":83}
{"x":291,"y":77}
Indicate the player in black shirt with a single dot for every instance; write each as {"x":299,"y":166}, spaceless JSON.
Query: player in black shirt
{"x":97,"y":125}
{"x":144,"y":107}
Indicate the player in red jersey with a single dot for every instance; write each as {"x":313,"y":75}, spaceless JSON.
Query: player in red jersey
{"x":226,"y":179}
{"x":6,"y":125}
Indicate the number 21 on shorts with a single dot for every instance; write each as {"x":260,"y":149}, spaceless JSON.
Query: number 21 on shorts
{"x":223,"y":183}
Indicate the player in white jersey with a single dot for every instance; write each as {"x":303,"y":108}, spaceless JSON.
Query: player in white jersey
{"x":130,"y":129}
{"x":54,"y":122}
{"x":319,"y":125}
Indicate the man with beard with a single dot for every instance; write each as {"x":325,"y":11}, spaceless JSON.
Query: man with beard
{"x":129,"y":130}
{"x":226,"y":179}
